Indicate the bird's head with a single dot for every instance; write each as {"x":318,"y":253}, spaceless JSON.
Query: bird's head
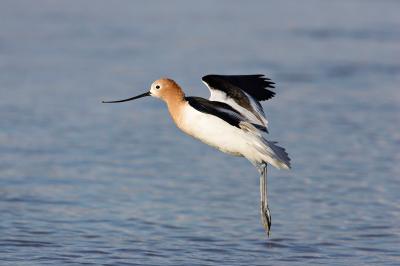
{"x":164,"y":89}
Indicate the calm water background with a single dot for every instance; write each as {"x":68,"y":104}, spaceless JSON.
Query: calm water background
{"x":87,"y":183}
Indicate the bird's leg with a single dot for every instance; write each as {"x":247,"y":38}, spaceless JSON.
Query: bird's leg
{"x":265,"y":213}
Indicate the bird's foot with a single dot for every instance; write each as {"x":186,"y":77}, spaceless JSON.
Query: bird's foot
{"x":266,"y":219}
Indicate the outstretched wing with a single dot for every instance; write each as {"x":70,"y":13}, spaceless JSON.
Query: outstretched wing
{"x":224,"y":112}
{"x":242,"y":93}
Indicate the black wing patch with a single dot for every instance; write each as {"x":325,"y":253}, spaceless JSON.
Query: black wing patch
{"x":221,"y":110}
{"x":254,"y":85}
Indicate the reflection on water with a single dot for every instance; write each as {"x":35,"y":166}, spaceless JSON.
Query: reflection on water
{"x":82,"y":182}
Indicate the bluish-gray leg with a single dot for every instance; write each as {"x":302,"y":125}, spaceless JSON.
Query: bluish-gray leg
{"x":265,"y":213}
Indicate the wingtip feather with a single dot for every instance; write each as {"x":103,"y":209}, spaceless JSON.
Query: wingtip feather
{"x":256,"y":85}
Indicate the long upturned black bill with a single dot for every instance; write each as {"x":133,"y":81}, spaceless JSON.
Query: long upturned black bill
{"x":129,"y":99}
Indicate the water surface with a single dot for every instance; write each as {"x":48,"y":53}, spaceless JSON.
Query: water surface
{"x":87,"y":183}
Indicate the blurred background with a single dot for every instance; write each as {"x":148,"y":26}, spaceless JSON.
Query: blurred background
{"x":87,"y":183}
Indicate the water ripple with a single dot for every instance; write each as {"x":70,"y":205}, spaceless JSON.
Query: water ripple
{"x":82,"y":183}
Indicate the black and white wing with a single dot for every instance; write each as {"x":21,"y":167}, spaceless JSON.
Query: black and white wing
{"x":242,"y":93}
{"x":223,"y":111}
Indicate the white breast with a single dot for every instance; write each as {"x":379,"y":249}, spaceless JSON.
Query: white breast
{"x":213,"y":131}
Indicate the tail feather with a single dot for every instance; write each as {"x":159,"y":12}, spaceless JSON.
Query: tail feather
{"x":273,"y":154}
{"x":269,"y":151}
{"x":282,"y":157}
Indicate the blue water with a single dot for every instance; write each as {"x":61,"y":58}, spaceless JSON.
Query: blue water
{"x":87,"y":183}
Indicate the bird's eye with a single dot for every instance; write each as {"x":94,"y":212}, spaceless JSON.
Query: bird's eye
{"x":158,"y":86}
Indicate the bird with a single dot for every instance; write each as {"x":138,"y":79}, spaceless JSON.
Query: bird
{"x":231,"y":120}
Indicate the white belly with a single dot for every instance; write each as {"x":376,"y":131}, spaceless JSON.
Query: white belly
{"x":213,"y":131}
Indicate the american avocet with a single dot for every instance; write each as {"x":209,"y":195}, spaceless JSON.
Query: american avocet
{"x":231,"y":120}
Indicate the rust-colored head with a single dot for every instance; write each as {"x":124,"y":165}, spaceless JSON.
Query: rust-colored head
{"x":167,"y":90}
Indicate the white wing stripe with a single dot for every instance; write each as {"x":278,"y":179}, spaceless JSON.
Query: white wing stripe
{"x":256,"y":106}
{"x":220,"y":96}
